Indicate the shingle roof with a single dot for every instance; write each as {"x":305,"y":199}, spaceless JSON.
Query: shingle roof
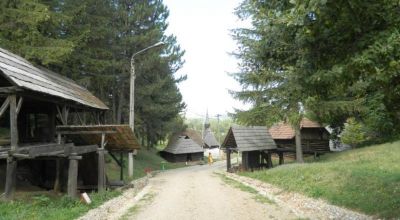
{"x":249,"y":138}
{"x":285,"y":131}
{"x":209,"y":139}
{"x":23,"y":74}
{"x":183,"y":145}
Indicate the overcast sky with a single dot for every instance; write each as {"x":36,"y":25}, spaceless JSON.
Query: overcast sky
{"x":202,"y":28}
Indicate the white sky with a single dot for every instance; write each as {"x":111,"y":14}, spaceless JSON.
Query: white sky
{"x":202,"y":28}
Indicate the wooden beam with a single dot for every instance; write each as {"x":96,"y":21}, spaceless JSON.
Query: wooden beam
{"x":84,"y":149}
{"x":101,"y":165}
{"x":10,"y":90}
{"x":19,"y":105}
{"x":86,"y":132}
{"x":4,"y":106}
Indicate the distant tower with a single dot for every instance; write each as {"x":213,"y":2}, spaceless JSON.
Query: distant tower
{"x":208,"y":137}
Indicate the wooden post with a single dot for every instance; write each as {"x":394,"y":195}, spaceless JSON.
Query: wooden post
{"x":101,"y":164}
{"x":73,"y":175}
{"x":11,"y":176}
{"x":281,"y":159}
{"x":57,"y":181}
{"x":121,"y":158}
{"x":269,"y":160}
{"x":228,"y":159}
{"x":130,"y":164}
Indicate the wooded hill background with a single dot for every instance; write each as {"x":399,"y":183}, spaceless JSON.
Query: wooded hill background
{"x":91,"y":41}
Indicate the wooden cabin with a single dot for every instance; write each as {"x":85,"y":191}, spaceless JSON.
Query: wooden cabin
{"x":314,"y":137}
{"x":182,"y":148}
{"x":253,"y":143}
{"x":43,"y":114}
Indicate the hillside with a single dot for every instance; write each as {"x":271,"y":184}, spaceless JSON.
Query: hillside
{"x":366,"y":179}
{"x":144,"y":160}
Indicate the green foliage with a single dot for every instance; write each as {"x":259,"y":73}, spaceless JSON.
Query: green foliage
{"x":353,"y":133}
{"x":365,"y":179}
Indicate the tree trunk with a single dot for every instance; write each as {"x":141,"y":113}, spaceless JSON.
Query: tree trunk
{"x":299,"y":149}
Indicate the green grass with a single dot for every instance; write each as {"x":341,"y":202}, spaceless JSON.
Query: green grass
{"x":244,"y":188}
{"x":366,"y":179}
{"x":42,"y":207}
{"x":146,"y":159}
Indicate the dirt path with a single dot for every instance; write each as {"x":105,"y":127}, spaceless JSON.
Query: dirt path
{"x":198,"y":193}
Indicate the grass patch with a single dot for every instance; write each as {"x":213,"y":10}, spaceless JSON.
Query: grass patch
{"x":146,"y":159}
{"x":366,"y":179}
{"x":244,"y":188}
{"x":42,"y":207}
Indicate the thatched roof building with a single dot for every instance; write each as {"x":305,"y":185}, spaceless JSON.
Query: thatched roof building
{"x":183,"y":147}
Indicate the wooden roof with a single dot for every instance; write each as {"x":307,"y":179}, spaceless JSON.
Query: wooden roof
{"x":194,"y":135}
{"x":284,"y":131}
{"x":209,"y":138}
{"x":183,"y":145}
{"x":122,"y":139}
{"x":23,"y":74}
{"x":249,"y":138}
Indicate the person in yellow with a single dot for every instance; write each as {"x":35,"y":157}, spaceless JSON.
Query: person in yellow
{"x":210,"y":159}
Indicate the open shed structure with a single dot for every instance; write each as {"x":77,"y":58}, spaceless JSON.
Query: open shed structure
{"x":314,"y":137}
{"x":182,"y":148}
{"x":253,"y":143}
{"x":41,"y":110}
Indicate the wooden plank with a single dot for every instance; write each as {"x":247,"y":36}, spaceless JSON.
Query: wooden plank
{"x":10,"y":90}
{"x":4,"y":106}
{"x":19,"y":105}
{"x":84,"y":149}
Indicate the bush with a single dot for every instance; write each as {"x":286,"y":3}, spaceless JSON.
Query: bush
{"x":354,"y":133}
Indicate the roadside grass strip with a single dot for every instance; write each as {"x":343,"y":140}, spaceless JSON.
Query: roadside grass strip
{"x":256,"y":195}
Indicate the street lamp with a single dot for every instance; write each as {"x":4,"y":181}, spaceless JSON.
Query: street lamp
{"x":132,"y":100}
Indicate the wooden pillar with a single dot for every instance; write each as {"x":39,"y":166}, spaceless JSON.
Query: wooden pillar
{"x":228,"y":159}
{"x":101,"y":164}
{"x":130,"y":164}
{"x":11,"y":175}
{"x":121,"y":158}
{"x":57,"y":181}
{"x":73,"y":174}
{"x":269,"y":160}
{"x":281,"y":159}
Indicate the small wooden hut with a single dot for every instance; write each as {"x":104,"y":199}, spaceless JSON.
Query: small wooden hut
{"x":45,"y":113}
{"x":182,"y":148}
{"x":314,"y":137}
{"x":252,"y":142}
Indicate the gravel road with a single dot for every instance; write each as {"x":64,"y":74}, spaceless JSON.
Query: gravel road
{"x":198,"y":193}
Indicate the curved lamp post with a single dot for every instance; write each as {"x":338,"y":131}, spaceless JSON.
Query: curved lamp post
{"x":132,"y":99}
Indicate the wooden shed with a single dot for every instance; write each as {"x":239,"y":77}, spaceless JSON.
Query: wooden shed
{"x":314,"y":137}
{"x":43,"y":111}
{"x":252,"y":142}
{"x":182,"y":148}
